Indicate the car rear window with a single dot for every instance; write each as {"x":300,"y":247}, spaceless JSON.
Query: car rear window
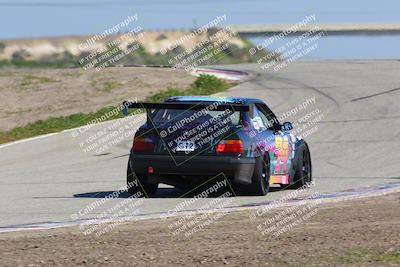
{"x":163,"y":116}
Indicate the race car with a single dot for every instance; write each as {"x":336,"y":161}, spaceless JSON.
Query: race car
{"x":188,"y":139}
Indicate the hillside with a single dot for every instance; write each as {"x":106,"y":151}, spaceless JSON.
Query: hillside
{"x":215,"y":46}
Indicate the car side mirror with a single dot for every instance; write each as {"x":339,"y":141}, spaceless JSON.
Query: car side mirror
{"x":287,"y":126}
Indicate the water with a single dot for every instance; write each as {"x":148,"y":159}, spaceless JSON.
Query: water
{"x":347,"y":47}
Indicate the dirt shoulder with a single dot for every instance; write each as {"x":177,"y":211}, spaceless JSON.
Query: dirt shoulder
{"x":363,"y":232}
{"x":28,"y":95}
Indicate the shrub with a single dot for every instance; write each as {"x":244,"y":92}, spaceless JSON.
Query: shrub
{"x":19,"y":56}
{"x":209,"y":82}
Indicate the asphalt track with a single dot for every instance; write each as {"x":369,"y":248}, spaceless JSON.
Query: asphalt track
{"x":355,"y":144}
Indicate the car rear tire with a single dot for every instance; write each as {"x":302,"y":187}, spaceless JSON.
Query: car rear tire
{"x":260,"y":178}
{"x":303,"y":173}
{"x":146,"y":188}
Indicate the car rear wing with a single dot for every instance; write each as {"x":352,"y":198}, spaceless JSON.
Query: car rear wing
{"x":208,"y":106}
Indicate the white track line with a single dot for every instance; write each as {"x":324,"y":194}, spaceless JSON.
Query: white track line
{"x":28,"y":139}
{"x":165,"y":215}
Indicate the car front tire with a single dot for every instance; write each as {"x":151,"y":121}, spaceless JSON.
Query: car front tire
{"x":303,"y":172}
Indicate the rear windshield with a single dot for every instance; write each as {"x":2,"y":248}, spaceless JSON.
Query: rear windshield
{"x":166,"y":116}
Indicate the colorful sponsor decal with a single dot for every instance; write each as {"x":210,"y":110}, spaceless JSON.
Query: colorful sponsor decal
{"x":282,"y":152}
{"x":279,"y":179}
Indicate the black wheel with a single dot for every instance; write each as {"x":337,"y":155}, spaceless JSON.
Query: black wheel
{"x":260,"y":178}
{"x":142,"y":185}
{"x":303,"y":173}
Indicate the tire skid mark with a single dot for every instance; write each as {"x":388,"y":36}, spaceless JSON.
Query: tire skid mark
{"x":357,"y":120}
{"x":354,"y":141}
{"x":373,"y":95}
{"x":305,"y":86}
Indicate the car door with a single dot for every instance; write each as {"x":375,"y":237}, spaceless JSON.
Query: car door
{"x":281,"y":148}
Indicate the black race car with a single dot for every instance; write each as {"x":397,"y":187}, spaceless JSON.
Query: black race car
{"x":187,"y":140}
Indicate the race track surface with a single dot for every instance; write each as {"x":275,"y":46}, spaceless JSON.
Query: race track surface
{"x":355,"y":144}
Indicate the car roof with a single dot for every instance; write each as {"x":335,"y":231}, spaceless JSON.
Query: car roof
{"x":231,"y":100}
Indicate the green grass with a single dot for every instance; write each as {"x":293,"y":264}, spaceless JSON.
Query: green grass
{"x":364,"y":256}
{"x":204,"y":85}
{"x":355,"y":257}
{"x":38,"y":64}
{"x":105,"y":87}
{"x":51,"y":125}
{"x":6,"y":74}
{"x":28,"y":80}
{"x":73,"y":74}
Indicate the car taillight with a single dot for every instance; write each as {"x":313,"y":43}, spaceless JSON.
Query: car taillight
{"x":230,"y":146}
{"x":143,"y":144}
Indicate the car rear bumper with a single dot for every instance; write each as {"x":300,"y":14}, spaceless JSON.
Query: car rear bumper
{"x":240,"y":170}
